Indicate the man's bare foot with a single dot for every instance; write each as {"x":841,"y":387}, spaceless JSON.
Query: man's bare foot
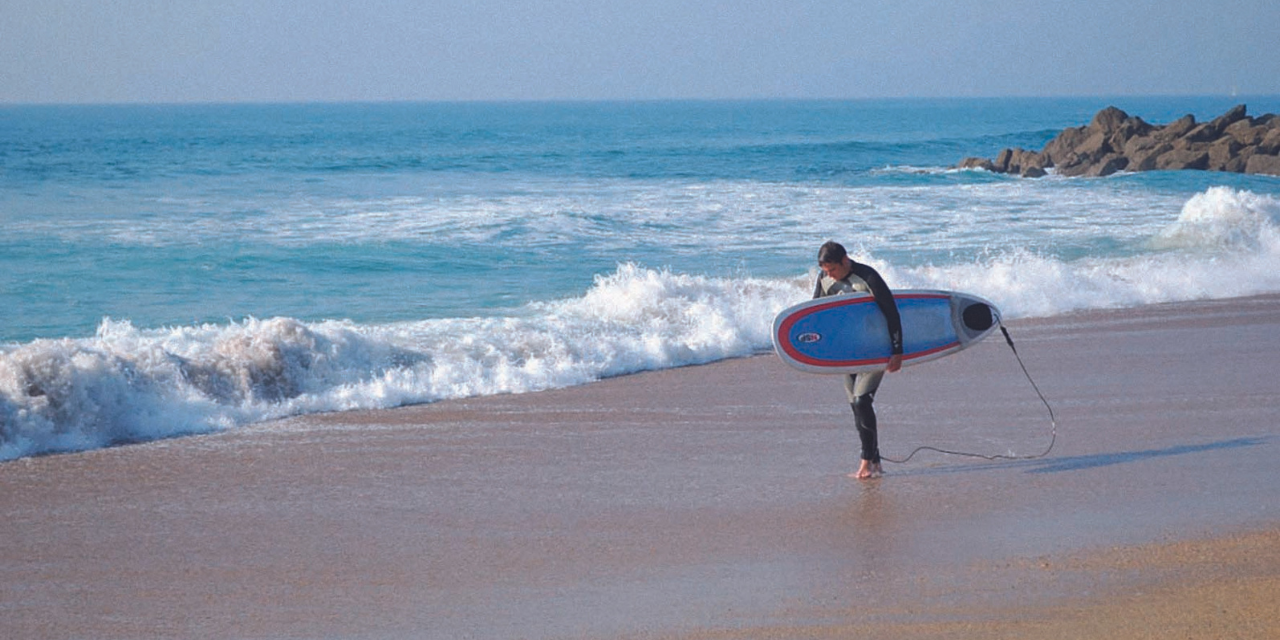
{"x":867,"y":469}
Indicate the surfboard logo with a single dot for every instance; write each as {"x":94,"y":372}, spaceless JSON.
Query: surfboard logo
{"x":808,"y":337}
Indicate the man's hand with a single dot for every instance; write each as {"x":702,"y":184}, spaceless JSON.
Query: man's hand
{"x":895,"y":363}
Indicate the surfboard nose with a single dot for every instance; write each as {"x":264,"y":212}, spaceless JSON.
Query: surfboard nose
{"x":978,"y":317}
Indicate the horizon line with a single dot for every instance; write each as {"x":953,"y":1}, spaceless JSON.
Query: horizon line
{"x":534,"y":101}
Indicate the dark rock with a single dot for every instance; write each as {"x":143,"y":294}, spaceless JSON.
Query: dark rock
{"x":1115,"y":141}
{"x":1024,"y":160}
{"x":1263,"y":163}
{"x":1136,"y":145}
{"x":1108,"y":120}
{"x":1222,"y":152}
{"x":1202,"y":133}
{"x":1182,"y":159}
{"x":1145,"y":159}
{"x":1233,"y":115}
{"x":1072,"y":165}
{"x":1110,"y":164}
{"x":1240,"y":161}
{"x":1058,"y":148}
{"x":1178,"y":128}
{"x":1270,"y":144}
{"x":1095,"y":146}
{"x":1246,"y":133}
{"x":1128,"y":130}
{"x":1020,"y":161}
{"x":1003,"y":159}
{"x":977,"y":163}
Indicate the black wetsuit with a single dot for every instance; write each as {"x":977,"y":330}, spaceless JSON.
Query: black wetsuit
{"x":861,"y":388}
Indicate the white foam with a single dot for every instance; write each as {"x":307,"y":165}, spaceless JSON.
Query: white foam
{"x":1224,"y":218}
{"x":129,"y":384}
{"x":1225,"y":243}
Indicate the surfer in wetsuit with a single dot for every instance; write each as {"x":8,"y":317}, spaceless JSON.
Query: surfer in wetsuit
{"x":840,"y":274}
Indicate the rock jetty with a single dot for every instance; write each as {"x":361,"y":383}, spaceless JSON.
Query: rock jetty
{"x":1115,"y":141}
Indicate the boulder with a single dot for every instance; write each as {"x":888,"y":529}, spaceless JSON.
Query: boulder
{"x":1246,"y":133}
{"x":1108,"y":165}
{"x":1003,"y":159}
{"x":1263,"y":163}
{"x":1086,"y":154}
{"x":977,"y":163}
{"x":1182,"y":159}
{"x":1206,"y":132}
{"x":1058,"y":148}
{"x":1233,"y":115}
{"x":1072,"y":165}
{"x":1115,"y":141}
{"x":1095,"y":146}
{"x":1138,"y":144}
{"x":1020,"y":161}
{"x":1270,"y":144}
{"x":1145,"y":159}
{"x":1222,"y":152}
{"x":1240,"y":161}
{"x":1108,"y":120}
{"x":1178,"y":128}
{"x":1026,"y":161}
{"x":1128,"y":130}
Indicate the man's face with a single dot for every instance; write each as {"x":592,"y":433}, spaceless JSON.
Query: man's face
{"x":836,"y":270}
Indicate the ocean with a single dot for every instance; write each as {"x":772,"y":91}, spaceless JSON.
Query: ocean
{"x":181,"y":269}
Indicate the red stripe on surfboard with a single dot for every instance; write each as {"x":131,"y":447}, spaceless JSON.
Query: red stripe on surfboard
{"x":784,"y":330}
{"x":801,"y":358}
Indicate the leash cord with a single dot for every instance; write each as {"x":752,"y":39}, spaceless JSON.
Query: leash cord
{"x":1053,"y":421}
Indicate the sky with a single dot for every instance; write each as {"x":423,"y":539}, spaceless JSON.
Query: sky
{"x":181,"y":51}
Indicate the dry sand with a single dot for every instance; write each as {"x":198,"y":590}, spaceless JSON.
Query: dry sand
{"x":705,"y":502}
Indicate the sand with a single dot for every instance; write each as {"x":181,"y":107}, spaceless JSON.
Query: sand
{"x":704,"y":502}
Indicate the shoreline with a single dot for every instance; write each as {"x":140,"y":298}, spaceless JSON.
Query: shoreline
{"x":701,"y":502}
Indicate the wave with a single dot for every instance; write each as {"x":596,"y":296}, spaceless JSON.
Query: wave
{"x":1225,"y":243}
{"x":130,"y":384}
{"x":1224,"y":218}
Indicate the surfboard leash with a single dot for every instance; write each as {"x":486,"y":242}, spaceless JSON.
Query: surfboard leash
{"x":1053,"y":421}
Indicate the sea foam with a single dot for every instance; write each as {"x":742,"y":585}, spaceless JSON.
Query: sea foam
{"x":1224,"y":243}
{"x":127,"y":384}
{"x":131,"y":384}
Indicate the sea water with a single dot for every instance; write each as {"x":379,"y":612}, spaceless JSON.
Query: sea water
{"x":168,"y":270}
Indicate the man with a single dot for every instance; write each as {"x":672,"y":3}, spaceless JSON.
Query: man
{"x":840,"y":274}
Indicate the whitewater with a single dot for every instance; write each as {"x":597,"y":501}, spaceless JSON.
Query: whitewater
{"x":235,"y":286}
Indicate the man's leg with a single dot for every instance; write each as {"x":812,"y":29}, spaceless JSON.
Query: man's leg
{"x":861,"y":389}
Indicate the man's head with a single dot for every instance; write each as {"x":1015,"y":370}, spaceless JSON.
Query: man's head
{"x":834,"y":260}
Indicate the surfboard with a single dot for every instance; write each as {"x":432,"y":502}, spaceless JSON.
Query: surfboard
{"x":848,"y":333}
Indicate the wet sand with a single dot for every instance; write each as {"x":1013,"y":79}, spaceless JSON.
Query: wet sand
{"x":704,"y":502}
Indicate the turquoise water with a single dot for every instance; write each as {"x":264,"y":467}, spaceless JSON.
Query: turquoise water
{"x":177,"y":269}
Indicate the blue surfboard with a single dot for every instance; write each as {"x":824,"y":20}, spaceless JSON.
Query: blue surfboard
{"x":848,"y":333}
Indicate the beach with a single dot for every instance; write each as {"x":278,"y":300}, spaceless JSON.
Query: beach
{"x":705,"y":501}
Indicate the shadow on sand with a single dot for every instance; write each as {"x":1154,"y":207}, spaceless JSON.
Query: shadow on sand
{"x":1093,"y":461}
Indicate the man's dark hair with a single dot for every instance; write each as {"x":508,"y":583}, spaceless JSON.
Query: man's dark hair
{"x":831,"y":252}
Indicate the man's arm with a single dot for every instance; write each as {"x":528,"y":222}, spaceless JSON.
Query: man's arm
{"x":884,"y":300}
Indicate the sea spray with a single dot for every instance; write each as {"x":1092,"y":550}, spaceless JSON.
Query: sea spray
{"x":1224,"y":243}
{"x":128,"y":384}
{"x":1222,"y":218}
